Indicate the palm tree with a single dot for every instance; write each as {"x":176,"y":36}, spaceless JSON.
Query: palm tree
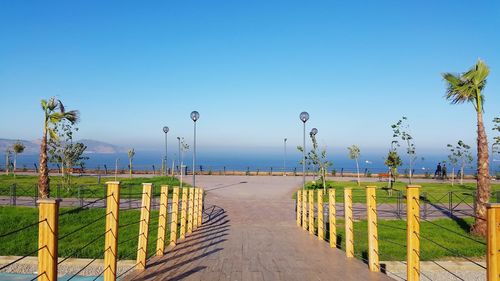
{"x":131,"y":154}
{"x":468,"y":87}
{"x":54,"y":112}
{"x":18,"y":148}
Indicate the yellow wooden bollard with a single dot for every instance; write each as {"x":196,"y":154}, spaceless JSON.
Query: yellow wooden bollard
{"x":331,"y":216}
{"x":493,"y":242}
{"x":182,"y":234}
{"x":304,"y":209}
{"x":195,"y":210}
{"x":200,"y":206}
{"x":321,"y":229}
{"x":142,"y":245}
{"x":311,"y":212}
{"x":349,"y":223}
{"x":174,"y":216}
{"x":190,"y":211}
{"x":162,"y":221}
{"x":371,"y":215}
{"x":412,"y":233}
{"x":48,"y":230}
{"x":111,"y":236}
{"x":299,"y":207}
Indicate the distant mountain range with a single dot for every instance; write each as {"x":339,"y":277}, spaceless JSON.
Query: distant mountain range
{"x":93,"y":146}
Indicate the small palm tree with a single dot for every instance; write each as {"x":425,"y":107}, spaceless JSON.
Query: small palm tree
{"x":131,"y":154}
{"x":468,"y":87}
{"x":354,"y":153}
{"x":18,"y":148}
{"x":54,"y":112}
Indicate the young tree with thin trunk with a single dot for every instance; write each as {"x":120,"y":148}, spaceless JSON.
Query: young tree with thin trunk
{"x":54,"y":112}
{"x":401,"y":130}
{"x":131,"y":154}
{"x":354,"y":153}
{"x":18,"y":148}
{"x":460,"y":154}
{"x":468,"y":87}
{"x":8,"y":154}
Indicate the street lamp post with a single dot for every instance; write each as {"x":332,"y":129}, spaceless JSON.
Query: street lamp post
{"x":179,"y":156}
{"x":284,"y":157}
{"x":304,"y":116}
{"x":194,"y":116}
{"x":165,"y":130}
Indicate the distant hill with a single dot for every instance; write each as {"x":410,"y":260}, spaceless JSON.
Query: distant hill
{"x":93,"y":146}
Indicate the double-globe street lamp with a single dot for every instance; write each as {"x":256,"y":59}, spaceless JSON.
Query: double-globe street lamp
{"x":304,"y":116}
{"x":194,"y":116}
{"x":165,"y":130}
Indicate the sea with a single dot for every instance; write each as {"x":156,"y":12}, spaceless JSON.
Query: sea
{"x":147,"y":160}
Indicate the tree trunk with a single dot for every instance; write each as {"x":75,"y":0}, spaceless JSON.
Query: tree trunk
{"x":483,"y":178}
{"x":15,"y":164}
{"x":130,"y":165}
{"x":357,"y":169}
{"x":462,"y":175}
{"x":43,"y":179}
{"x":7,"y":163}
{"x":453,"y":177}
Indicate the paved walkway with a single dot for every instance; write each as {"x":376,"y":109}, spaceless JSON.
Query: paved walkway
{"x":249,"y":233}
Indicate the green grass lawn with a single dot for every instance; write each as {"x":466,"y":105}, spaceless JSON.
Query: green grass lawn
{"x":25,"y":242}
{"x":392,"y":235}
{"x":392,"y":240}
{"x":435,"y":192}
{"x":85,"y":186}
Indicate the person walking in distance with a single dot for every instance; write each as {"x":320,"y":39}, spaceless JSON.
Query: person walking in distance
{"x":444,"y":174}
{"x":437,"y":174}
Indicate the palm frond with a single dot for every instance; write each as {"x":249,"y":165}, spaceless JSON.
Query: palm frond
{"x":72,"y":116}
{"x":61,"y":106}
{"x":52,"y":104}
{"x":55,"y":117}
{"x":43,"y":103}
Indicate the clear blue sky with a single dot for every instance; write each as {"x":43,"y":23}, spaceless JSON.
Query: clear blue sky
{"x":248,"y":67}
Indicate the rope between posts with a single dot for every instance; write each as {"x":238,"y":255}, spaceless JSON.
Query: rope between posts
{"x":85,"y":226}
{"x":452,"y":231}
{"x":21,"y":258}
{"x":85,"y":246}
{"x":83,"y":268}
{"x":83,"y":207}
{"x":449,"y":250}
{"x":22,"y":228}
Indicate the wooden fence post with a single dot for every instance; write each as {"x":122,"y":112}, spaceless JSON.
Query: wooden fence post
{"x":111,"y":236}
{"x":331,"y":217}
{"x":48,"y":232}
{"x":175,"y":214}
{"x":185,"y":191}
{"x":311,"y":212}
{"x":412,"y":233}
{"x":142,"y":245}
{"x":299,"y":207}
{"x":190,"y":211}
{"x":304,"y":209}
{"x":195,"y":210}
{"x":321,"y":230}
{"x":200,"y":206}
{"x":371,"y":215}
{"x":162,"y":221}
{"x":349,"y":223}
{"x":493,"y":242}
